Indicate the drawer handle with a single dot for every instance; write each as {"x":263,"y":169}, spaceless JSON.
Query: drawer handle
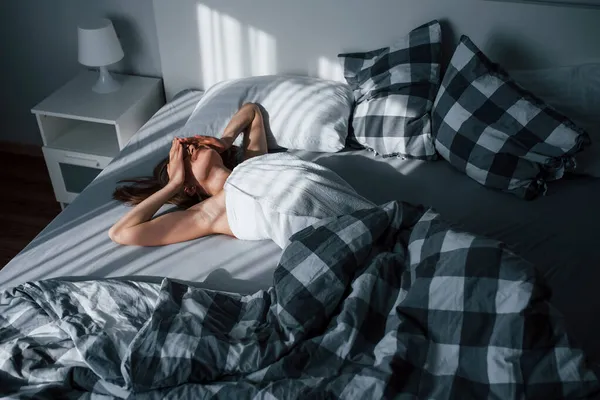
{"x":80,"y":159}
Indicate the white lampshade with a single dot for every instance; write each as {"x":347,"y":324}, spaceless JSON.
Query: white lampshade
{"x":98,"y":43}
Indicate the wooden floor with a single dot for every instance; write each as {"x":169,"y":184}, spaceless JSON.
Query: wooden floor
{"x":27,"y":202}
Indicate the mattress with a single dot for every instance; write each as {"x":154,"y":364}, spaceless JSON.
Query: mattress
{"x":556,"y":232}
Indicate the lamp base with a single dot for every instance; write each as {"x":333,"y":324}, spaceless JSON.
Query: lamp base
{"x":106,"y":83}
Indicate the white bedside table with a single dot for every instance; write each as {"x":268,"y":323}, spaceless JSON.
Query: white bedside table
{"x":83,"y":131}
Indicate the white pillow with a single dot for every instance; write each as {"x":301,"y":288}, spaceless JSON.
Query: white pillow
{"x":303,"y":113}
{"x":574,"y":92}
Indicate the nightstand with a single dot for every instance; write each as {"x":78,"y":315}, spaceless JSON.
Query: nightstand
{"x":83,"y":131}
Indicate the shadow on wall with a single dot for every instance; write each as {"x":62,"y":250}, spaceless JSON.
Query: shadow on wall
{"x":136,"y":31}
{"x":131,"y":42}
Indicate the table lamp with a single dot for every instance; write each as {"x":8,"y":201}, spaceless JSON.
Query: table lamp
{"x":99,"y":47}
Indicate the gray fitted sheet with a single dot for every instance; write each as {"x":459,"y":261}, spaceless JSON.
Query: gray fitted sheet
{"x":557,"y":232}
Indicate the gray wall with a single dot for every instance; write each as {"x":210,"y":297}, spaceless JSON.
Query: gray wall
{"x":38,"y":52}
{"x":305,"y":36}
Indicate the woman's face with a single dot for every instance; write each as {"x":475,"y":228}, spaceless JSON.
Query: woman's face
{"x":199,"y":160}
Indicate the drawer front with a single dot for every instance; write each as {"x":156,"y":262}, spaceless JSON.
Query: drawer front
{"x":71,"y":172}
{"x":73,"y":158}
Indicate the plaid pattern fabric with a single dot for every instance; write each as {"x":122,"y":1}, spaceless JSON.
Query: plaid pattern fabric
{"x":394,"y":88}
{"x":496,"y":132}
{"x":385,"y":301}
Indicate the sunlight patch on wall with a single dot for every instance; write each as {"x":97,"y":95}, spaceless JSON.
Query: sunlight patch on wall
{"x":262,"y":52}
{"x":205,"y":19}
{"x":230,"y":49}
{"x":231,"y":32}
{"x":330,"y":69}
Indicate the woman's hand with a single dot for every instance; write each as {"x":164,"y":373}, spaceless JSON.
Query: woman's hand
{"x":220,"y":145}
{"x":175,"y":167}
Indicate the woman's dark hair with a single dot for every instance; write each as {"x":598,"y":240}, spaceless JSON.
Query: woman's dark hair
{"x":142,"y":188}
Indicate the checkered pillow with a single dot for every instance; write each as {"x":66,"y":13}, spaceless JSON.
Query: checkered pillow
{"x":496,"y":132}
{"x":394,"y":88}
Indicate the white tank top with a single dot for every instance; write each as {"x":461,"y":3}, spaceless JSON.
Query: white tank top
{"x":245,"y":215}
{"x":274,"y":196}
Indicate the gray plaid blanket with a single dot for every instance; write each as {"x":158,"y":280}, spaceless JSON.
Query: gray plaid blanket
{"x":389,"y":302}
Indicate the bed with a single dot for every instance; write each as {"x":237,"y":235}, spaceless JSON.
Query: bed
{"x":556,"y":233}
{"x":79,"y":246}
{"x":75,"y":246}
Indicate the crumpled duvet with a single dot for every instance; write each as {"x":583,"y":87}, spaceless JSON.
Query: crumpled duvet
{"x":388,"y":302}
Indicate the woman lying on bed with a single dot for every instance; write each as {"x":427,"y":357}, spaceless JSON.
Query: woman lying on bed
{"x":266,"y":196}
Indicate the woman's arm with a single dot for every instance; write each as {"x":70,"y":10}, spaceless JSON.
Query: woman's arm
{"x":174,"y":227}
{"x":248,"y":120}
